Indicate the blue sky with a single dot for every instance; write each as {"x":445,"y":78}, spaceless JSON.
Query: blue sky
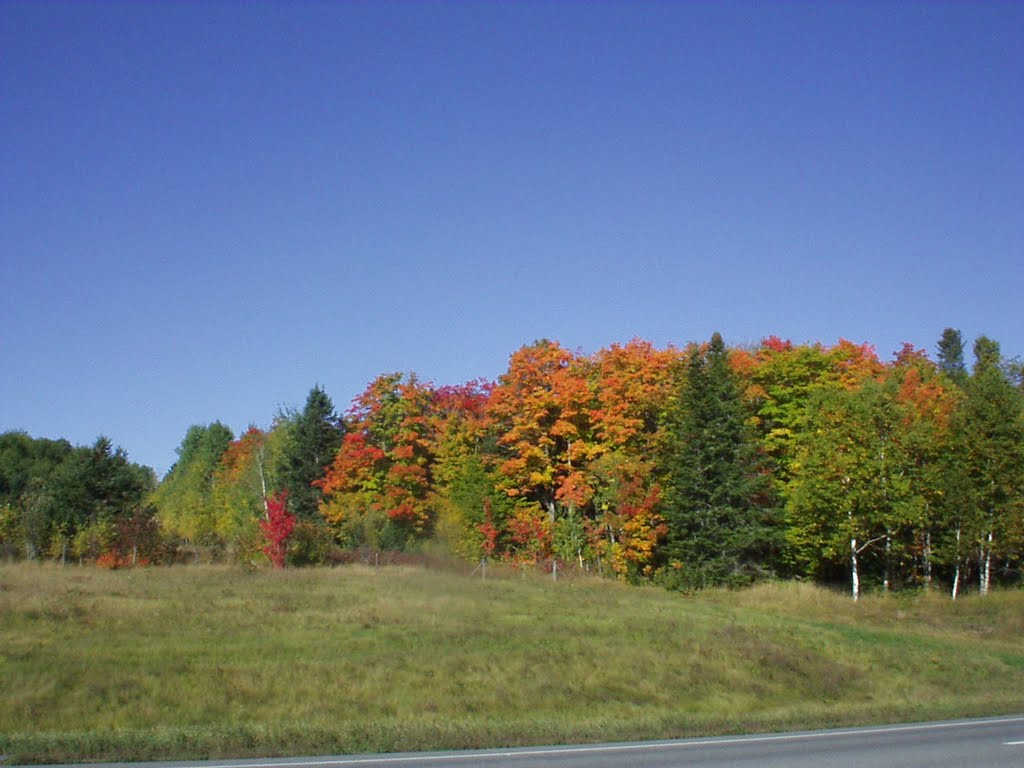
{"x":208,"y":207}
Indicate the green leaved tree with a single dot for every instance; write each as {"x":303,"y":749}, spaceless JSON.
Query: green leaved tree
{"x":851,"y":492}
{"x":988,"y":466}
{"x":184,"y":498}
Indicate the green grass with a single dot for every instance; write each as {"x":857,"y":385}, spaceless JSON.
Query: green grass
{"x":217,"y":662}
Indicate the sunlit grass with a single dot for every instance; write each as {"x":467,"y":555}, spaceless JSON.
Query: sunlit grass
{"x":203,"y":661}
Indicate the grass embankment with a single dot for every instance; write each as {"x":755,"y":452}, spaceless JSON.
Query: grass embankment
{"x":199,"y":661}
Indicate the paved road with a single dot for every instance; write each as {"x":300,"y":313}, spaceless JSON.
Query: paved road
{"x":983,"y":743}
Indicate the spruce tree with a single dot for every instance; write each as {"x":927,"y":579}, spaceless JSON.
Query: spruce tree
{"x":315,"y":437}
{"x":718,"y":507}
{"x":951,"y":356}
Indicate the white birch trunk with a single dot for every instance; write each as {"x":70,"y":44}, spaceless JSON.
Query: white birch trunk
{"x":854,"y":572}
{"x":888,"y":563}
{"x":956,"y":575}
{"x":985,"y":566}
{"x":260,"y":455}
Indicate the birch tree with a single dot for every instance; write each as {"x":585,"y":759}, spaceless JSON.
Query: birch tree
{"x":989,"y":443}
{"x":850,"y":493}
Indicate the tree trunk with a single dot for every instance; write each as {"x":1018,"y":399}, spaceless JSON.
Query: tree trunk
{"x":927,"y":556}
{"x":956,"y":574}
{"x":854,"y":572}
{"x":888,"y":563}
{"x":260,"y":455}
{"x":985,"y":566}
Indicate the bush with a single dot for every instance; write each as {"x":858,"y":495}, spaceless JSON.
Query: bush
{"x":310,"y":544}
{"x":11,"y":544}
{"x":93,"y":540}
{"x":246,"y":545}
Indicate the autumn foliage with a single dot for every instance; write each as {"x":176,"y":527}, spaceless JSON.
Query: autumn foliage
{"x":277,"y":528}
{"x":581,"y":458}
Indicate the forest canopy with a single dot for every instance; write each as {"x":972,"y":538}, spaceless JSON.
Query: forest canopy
{"x":690,"y":467}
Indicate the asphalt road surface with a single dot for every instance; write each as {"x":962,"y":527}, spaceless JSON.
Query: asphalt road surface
{"x":982,"y":743}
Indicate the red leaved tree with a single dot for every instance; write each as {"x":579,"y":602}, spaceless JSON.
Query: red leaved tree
{"x":277,"y":527}
{"x":489,"y":531}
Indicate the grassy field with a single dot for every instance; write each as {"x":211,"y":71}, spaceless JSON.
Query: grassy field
{"x":219,"y":662}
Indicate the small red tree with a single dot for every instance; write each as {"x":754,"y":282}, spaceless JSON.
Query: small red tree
{"x":489,"y":531}
{"x":277,"y":527}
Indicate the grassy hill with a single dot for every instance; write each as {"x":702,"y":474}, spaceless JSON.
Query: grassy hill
{"x":203,"y":661}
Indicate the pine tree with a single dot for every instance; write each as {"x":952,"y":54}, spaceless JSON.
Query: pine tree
{"x":717,"y":508}
{"x":315,"y":437}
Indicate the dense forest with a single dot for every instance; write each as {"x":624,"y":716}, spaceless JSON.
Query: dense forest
{"x":689,"y":467}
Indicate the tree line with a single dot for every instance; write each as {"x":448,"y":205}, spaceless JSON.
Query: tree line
{"x":691,"y":467}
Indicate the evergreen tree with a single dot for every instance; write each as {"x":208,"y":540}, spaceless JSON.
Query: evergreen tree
{"x":314,"y":439}
{"x":717,"y":507}
{"x":951,"y":356}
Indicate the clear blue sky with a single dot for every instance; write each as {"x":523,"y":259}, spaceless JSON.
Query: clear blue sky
{"x":208,"y":207}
